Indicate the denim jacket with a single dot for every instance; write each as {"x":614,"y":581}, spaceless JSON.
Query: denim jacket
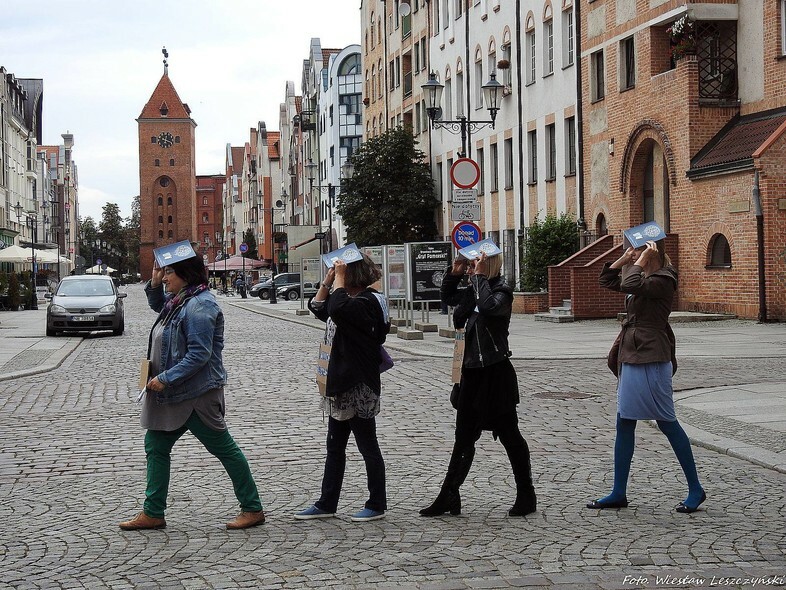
{"x":191,"y":346}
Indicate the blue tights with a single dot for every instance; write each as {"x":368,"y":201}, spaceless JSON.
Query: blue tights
{"x":623,"y":454}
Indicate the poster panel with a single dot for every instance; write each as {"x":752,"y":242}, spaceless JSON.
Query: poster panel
{"x":425,"y":264}
{"x":393,"y":275}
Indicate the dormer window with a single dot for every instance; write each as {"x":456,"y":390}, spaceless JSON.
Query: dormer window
{"x":164,"y":109}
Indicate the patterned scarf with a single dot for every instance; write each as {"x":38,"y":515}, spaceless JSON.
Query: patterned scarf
{"x":179,"y":300}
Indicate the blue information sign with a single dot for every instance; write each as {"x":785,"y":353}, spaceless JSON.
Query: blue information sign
{"x":243,"y":248}
{"x":465,"y":234}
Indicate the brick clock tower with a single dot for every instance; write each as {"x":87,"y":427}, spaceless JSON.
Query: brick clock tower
{"x":167,"y":172}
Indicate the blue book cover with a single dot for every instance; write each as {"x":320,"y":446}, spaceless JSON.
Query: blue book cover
{"x":474,"y":251}
{"x":641,"y":234}
{"x":171,"y":253}
{"x":349,"y":254}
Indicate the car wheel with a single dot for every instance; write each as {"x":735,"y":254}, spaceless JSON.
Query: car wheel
{"x":264,"y":294}
{"x":293,"y":295}
{"x":120,"y":329}
{"x":50,"y":332}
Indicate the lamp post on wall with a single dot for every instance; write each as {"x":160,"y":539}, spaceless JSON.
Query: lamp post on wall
{"x":279,"y":206}
{"x":432,"y":91}
{"x":30,"y":221}
{"x":311,"y":174}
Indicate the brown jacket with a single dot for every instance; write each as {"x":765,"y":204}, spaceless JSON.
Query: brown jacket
{"x":646,"y":336}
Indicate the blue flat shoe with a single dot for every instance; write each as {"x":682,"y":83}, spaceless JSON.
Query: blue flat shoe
{"x":602,"y":504}
{"x":367,"y":514}
{"x":313,"y":512}
{"x":686,"y":509}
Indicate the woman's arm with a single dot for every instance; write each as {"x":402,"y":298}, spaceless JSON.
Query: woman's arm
{"x":198,"y":325}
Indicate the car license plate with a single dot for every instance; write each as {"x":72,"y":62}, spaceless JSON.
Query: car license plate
{"x":83,"y":318}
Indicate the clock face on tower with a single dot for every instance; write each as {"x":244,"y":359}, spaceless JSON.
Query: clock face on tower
{"x":165,"y":139}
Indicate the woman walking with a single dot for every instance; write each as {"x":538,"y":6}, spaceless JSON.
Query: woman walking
{"x":356,"y":326}
{"x":488,"y":392}
{"x":645,"y":364}
{"x":187,"y":391}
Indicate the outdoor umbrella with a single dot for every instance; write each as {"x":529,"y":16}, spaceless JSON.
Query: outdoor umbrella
{"x":236,"y":263}
{"x":97,"y":270}
{"x":16,"y":254}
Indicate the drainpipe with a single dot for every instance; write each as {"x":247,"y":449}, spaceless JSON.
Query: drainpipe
{"x":520,"y":113}
{"x":760,"y":247}
{"x":579,"y":114}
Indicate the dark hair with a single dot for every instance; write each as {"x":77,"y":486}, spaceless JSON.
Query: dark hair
{"x":191,"y":270}
{"x":362,"y":273}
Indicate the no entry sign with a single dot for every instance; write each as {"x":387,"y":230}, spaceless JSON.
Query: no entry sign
{"x":465,"y":234}
{"x":465,"y":173}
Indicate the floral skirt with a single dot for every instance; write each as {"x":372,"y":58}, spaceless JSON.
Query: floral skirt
{"x":360,"y":401}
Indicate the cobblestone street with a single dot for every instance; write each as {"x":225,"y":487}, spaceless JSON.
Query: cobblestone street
{"x":72,"y":466}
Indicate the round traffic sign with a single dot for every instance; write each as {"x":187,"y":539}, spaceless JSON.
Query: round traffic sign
{"x":465,"y":173}
{"x":98,"y":261}
{"x":243,"y":248}
{"x":465,"y":234}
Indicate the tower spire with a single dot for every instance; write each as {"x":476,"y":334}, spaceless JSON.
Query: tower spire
{"x":166,"y":57}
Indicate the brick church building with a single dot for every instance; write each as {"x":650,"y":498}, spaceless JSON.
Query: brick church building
{"x":688,"y":128}
{"x":167,"y":172}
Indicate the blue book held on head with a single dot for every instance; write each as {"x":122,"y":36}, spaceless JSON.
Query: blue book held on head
{"x":349,"y":254}
{"x":641,"y":234}
{"x":474,"y":251}
{"x":171,"y":253}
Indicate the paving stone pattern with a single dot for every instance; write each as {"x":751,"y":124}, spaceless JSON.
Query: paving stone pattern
{"x":72,"y":465}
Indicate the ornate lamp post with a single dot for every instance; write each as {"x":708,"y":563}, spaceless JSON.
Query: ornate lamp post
{"x":279,"y":206}
{"x":432,"y":91}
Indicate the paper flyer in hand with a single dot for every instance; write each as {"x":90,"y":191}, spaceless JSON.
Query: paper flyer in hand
{"x":171,"y":253}
{"x":641,"y":234}
{"x":349,"y":254}
{"x":474,"y":251}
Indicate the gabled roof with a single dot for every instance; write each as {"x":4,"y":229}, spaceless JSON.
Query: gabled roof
{"x":273,"y":141}
{"x":165,"y":93}
{"x":733,"y":147}
{"x":238,"y":156}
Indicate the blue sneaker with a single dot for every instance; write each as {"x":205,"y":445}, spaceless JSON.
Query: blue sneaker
{"x":367,"y":514}
{"x":313,"y":512}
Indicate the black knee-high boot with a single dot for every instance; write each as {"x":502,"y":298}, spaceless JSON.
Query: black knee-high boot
{"x":518,"y":454}
{"x":449,"y":499}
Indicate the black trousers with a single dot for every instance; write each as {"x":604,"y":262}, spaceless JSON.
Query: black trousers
{"x":365,"y":431}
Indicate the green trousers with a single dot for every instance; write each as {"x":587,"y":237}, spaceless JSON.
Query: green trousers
{"x":158,"y":448}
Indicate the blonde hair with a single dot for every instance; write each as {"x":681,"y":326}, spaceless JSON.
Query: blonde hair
{"x":495,"y":265}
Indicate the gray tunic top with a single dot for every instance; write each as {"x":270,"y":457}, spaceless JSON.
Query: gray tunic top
{"x":209,"y":406}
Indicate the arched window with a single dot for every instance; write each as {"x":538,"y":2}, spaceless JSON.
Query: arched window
{"x":720,"y":252}
{"x":169,"y":199}
{"x":157,"y":162}
{"x":169,"y":234}
{"x":373,"y":30}
{"x":601,"y":229}
{"x":373,"y":93}
{"x":205,"y":218}
{"x":478,"y":78}
{"x":160,"y":233}
{"x":160,"y":200}
{"x":171,"y":161}
{"x":160,"y":219}
{"x":351,"y":65}
{"x":205,"y":201}
{"x":169,"y":219}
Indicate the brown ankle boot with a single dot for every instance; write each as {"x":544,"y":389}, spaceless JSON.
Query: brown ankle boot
{"x":246,"y":520}
{"x":143,"y":522}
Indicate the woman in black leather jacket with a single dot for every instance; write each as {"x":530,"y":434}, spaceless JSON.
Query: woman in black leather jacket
{"x":488,"y":392}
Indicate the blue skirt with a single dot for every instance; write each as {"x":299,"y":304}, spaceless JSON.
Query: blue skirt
{"x":644,"y":392}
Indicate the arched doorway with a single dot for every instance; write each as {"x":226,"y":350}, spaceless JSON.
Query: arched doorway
{"x":646,"y":167}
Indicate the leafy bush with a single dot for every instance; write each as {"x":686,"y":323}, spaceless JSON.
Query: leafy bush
{"x":14,"y":297}
{"x":547,"y":242}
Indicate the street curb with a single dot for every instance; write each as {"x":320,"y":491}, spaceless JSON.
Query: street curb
{"x":55,"y":360}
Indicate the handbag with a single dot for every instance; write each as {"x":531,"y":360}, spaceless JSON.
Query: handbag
{"x":614,"y":355}
{"x":386,"y":363}
{"x":322,"y":368}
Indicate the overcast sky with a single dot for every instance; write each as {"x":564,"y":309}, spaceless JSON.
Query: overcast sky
{"x":101,"y":60}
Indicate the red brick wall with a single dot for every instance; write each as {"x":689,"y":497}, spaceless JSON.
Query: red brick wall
{"x":530,"y":302}
{"x":560,"y":274}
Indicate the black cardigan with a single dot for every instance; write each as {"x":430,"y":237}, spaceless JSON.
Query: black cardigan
{"x":360,"y":331}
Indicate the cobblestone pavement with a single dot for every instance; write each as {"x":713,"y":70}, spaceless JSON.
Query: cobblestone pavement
{"x":72,"y":466}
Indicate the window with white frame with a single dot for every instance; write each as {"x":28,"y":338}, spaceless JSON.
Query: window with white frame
{"x":551,"y":152}
{"x":598,"y":76}
{"x":460,"y":94}
{"x":548,"y":47}
{"x":530,"y":57}
{"x":532,"y":146}
{"x":478,"y":79}
{"x":627,"y":55}
{"x":445,"y":14}
{"x":448,"y":99}
{"x":494,"y":163}
{"x":568,"y":38}
{"x":479,"y":155}
{"x":506,"y":73}
{"x":508,"y":155}
{"x":570,"y":146}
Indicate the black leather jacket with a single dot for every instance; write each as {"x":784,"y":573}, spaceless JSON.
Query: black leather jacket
{"x":483,"y":309}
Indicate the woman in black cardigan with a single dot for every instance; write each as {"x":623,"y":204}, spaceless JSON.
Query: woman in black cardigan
{"x":488,"y":392}
{"x":357,"y":325}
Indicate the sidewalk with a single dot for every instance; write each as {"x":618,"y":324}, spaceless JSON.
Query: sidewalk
{"x":751,"y":417}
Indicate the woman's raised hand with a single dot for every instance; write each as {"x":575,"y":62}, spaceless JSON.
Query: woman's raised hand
{"x":157,"y":277}
{"x":459,"y":267}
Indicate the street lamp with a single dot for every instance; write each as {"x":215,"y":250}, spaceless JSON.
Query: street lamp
{"x":30,"y":221}
{"x":492,"y":95}
{"x":279,"y":206}
{"x":311,"y":173}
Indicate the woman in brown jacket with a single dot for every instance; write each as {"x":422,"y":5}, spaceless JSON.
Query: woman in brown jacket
{"x":645,"y":365}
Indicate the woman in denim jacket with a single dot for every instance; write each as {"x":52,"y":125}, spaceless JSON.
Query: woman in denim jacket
{"x":187,"y":392}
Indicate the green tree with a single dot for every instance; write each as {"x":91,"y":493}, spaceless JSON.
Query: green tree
{"x":251,"y":242}
{"x":133,"y":237}
{"x":548,"y":242}
{"x":390,"y":198}
{"x":88,"y":232}
{"x":113,"y":233}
